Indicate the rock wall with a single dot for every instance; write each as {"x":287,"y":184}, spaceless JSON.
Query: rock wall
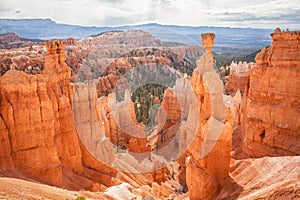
{"x":271,"y":115}
{"x":38,"y":108}
{"x":38,"y":133}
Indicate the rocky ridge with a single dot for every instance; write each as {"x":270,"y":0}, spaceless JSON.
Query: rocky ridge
{"x":12,"y":40}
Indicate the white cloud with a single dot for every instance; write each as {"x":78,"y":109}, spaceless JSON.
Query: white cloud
{"x":255,"y":13}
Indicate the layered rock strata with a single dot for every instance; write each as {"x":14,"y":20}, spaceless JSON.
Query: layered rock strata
{"x":38,"y":133}
{"x":271,"y":116}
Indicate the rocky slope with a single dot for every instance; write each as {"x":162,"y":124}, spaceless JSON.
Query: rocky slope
{"x":263,"y":178}
{"x":12,"y":188}
{"x":28,"y":59}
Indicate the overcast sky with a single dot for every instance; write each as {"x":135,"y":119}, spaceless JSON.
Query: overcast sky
{"x":233,"y":13}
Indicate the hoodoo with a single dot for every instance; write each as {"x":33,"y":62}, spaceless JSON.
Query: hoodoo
{"x":209,"y":155}
{"x":38,"y":135}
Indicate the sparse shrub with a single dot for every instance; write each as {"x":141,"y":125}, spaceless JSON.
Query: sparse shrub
{"x":80,"y":198}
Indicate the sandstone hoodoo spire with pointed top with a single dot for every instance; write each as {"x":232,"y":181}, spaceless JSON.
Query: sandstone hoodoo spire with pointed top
{"x":208,"y":163}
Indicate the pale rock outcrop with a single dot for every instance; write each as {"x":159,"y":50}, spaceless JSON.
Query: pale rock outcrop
{"x":271,"y":116}
{"x":175,"y":107}
{"x":90,"y":131}
{"x":235,"y":104}
{"x":263,"y":178}
{"x":118,"y":123}
{"x":122,"y":191}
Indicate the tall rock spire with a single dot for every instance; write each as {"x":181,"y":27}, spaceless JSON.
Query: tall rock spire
{"x":208,"y":163}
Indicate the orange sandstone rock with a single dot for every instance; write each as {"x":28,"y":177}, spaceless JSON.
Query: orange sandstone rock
{"x":237,"y":77}
{"x":271,"y":119}
{"x":209,"y":153}
{"x":38,"y":132}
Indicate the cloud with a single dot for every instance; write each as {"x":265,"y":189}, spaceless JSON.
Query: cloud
{"x":255,"y":13}
{"x":272,"y":13}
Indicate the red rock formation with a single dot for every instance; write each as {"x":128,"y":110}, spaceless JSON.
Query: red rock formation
{"x":70,"y":41}
{"x":118,"y":122}
{"x":170,"y":111}
{"x":38,"y":130}
{"x":172,"y":117}
{"x":39,"y":116}
{"x":39,"y":137}
{"x":30,"y":60}
{"x":238,"y":77}
{"x":271,"y":119}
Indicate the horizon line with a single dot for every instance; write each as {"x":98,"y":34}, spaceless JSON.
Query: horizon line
{"x":146,"y":23}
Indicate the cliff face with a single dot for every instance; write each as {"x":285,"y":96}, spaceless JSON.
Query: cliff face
{"x":271,"y":119}
{"x":38,"y":133}
{"x":38,"y":108}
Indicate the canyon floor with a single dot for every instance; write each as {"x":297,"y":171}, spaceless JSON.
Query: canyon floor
{"x":263,"y":178}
